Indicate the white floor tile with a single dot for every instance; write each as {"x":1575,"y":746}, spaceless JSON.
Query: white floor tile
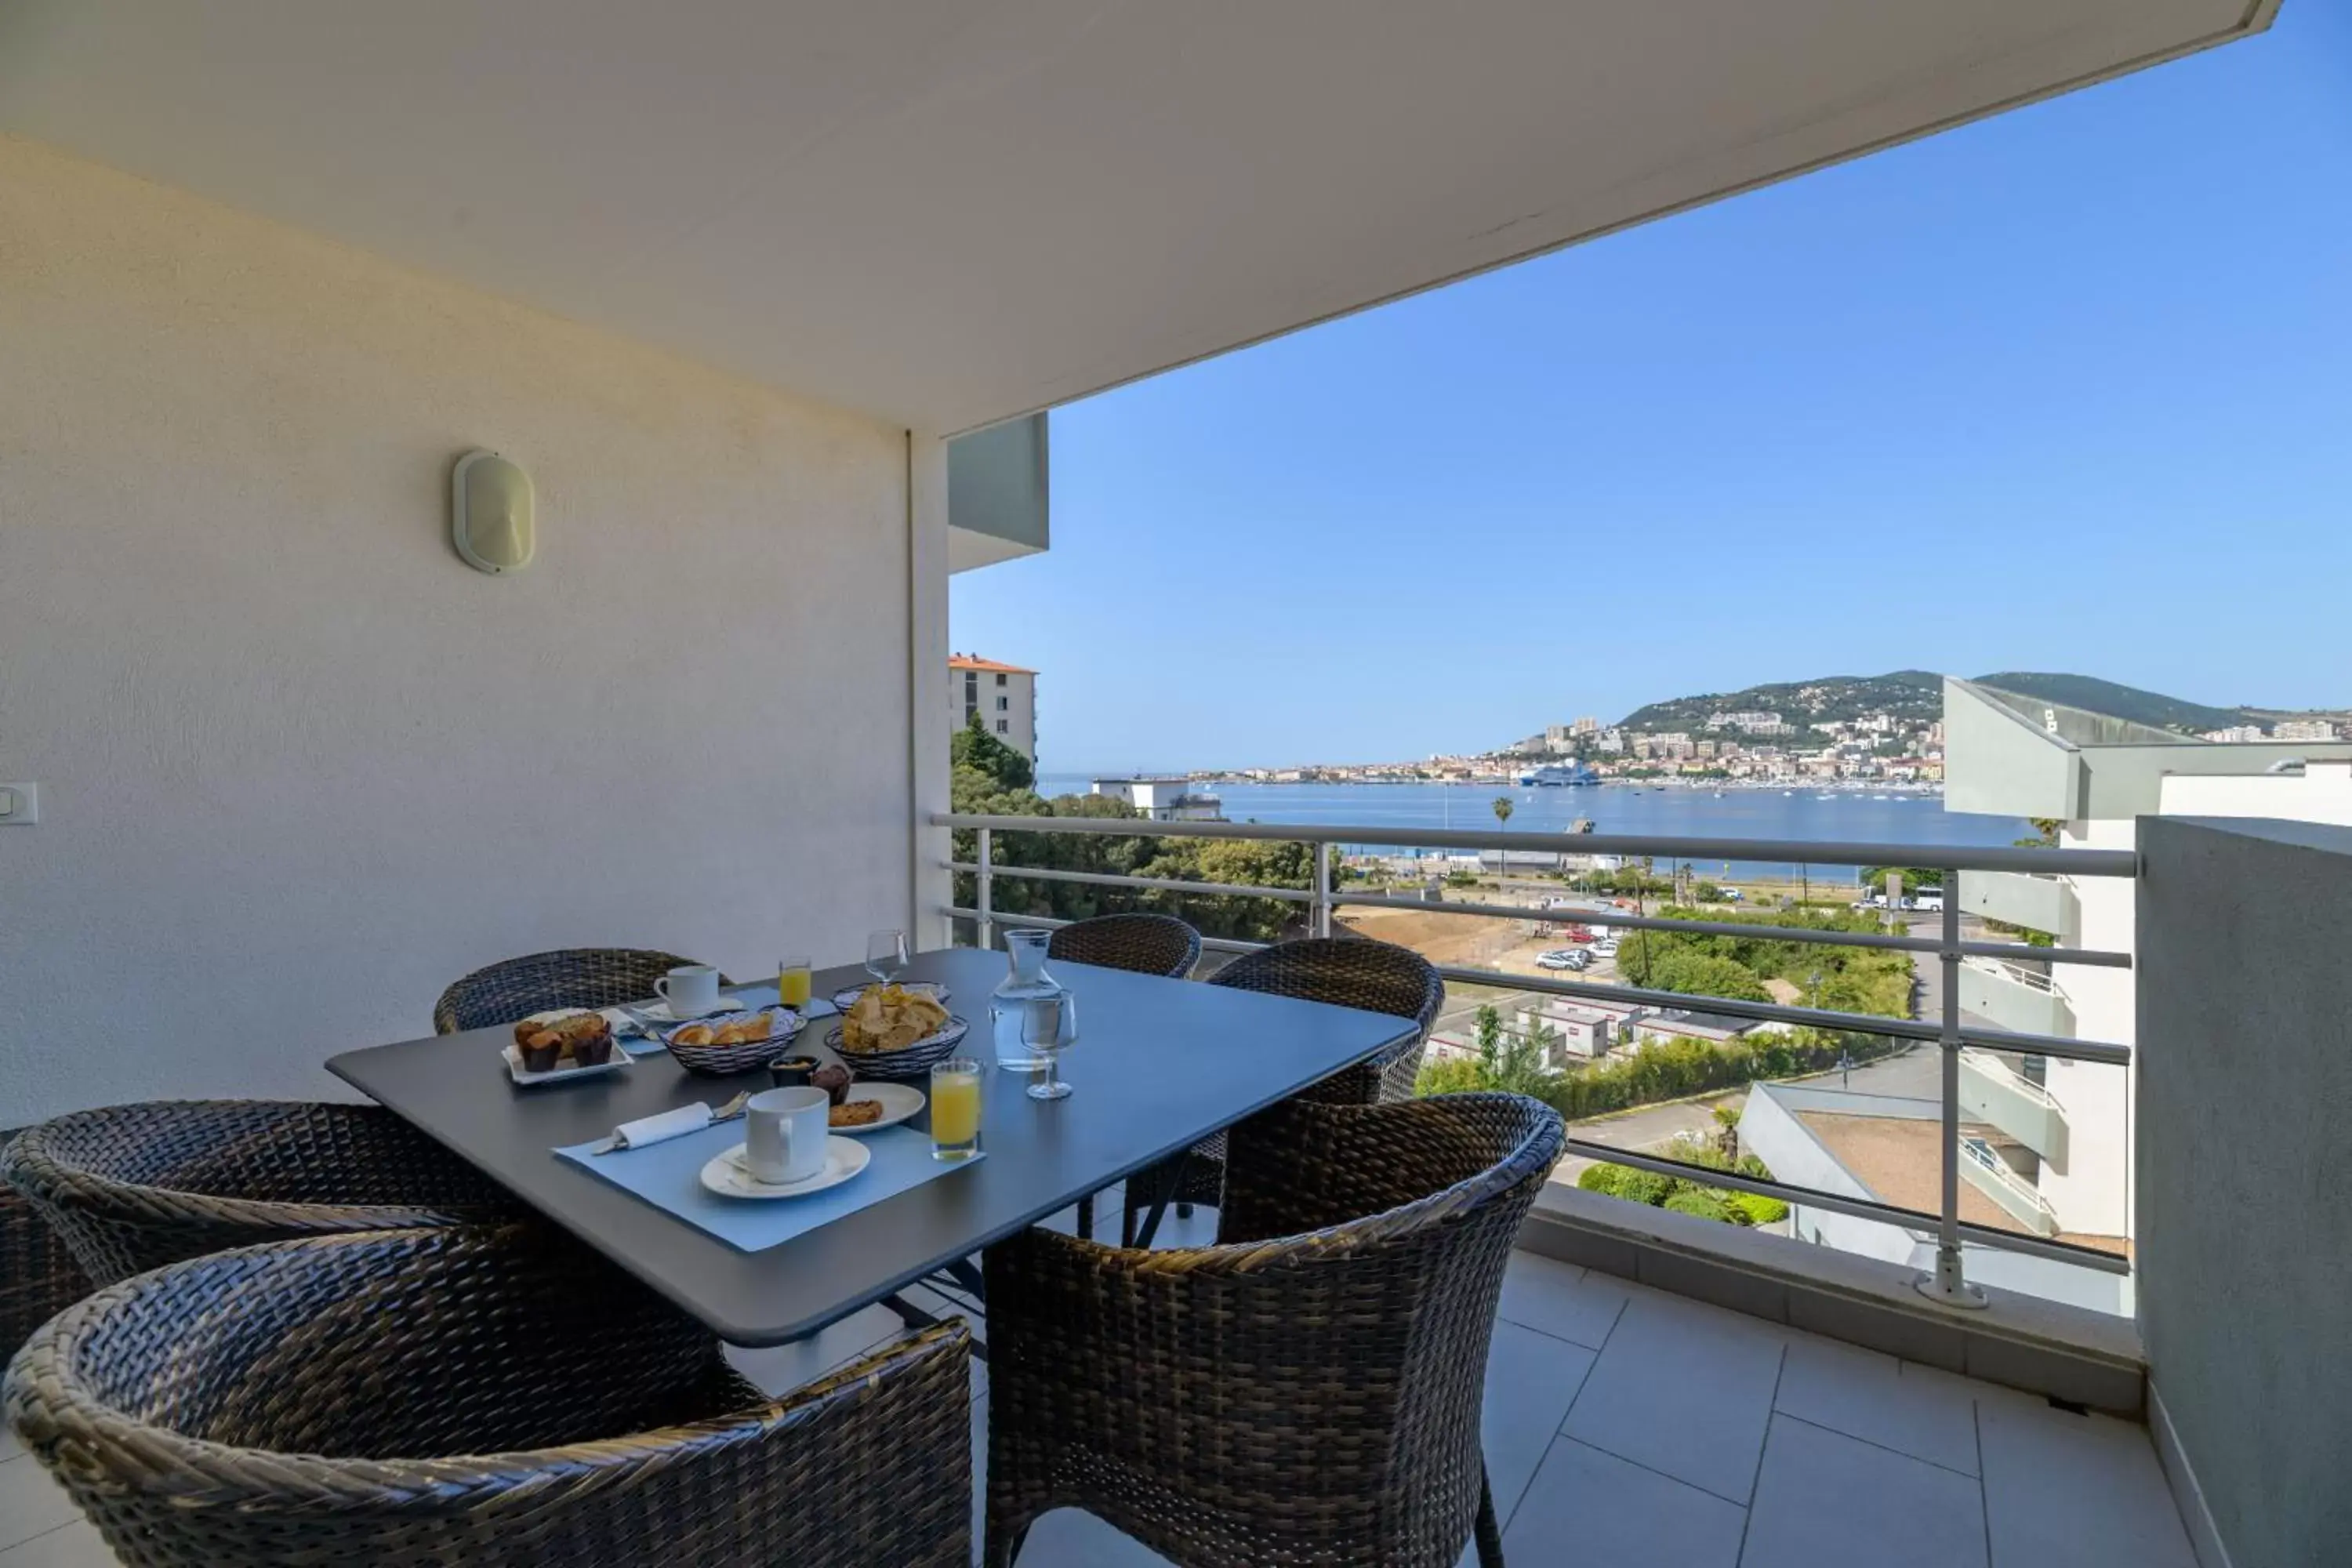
{"x":9,"y":1447}
{"x":779,"y":1369}
{"x":1586,"y":1507}
{"x":31,"y":1503}
{"x":76,"y":1545}
{"x":1863,"y":1394}
{"x":1827,"y":1500}
{"x":1561,"y":1299}
{"x":1686,"y":1389}
{"x":2075,"y":1491}
{"x":1531,"y":1380}
{"x":1073,"y":1538}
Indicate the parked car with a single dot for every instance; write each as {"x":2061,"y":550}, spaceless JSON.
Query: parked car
{"x":1558,"y":958}
{"x":1607,"y":949}
{"x":1580,"y":934}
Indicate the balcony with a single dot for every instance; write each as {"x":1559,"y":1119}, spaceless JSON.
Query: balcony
{"x":2024,"y":1001}
{"x":2037,"y":903}
{"x":1993,"y":1092}
{"x":1643,"y":1424}
{"x":1986,"y":1170}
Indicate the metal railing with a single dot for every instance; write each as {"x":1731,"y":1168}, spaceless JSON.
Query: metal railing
{"x":1947,"y":1282}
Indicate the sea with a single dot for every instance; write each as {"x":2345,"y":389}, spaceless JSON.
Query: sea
{"x":1814,"y":814}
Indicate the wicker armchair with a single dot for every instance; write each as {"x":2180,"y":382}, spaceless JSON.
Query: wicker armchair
{"x":1305,"y":1392}
{"x":132,"y":1187}
{"x":1147,"y":944}
{"x":38,"y":1276}
{"x":1353,"y":972}
{"x":515,"y":988}
{"x":475,"y":1395}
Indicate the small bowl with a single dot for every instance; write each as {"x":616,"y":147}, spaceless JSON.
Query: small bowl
{"x":792,"y":1072}
{"x":725,"y":1061}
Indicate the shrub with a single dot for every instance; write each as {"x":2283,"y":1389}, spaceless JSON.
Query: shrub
{"x":1624,"y":1181}
{"x":1702,"y":1202}
{"x":1759,"y":1209}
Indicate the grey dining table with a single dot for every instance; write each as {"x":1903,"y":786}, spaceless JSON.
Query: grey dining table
{"x":1159,"y":1065}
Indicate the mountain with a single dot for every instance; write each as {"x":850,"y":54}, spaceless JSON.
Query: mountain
{"x":2120,"y":701}
{"x":1919,"y":694}
{"x":1907,"y":693}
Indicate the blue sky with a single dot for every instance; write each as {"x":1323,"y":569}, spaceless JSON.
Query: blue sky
{"x":2068,"y":390}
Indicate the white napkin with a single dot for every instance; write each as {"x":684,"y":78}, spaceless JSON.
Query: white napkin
{"x":659,"y":1129}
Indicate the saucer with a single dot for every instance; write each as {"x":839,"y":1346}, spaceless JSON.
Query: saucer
{"x":728,"y":1177}
{"x":657,"y":1012}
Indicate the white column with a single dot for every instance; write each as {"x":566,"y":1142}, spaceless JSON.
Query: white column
{"x":929,"y":706}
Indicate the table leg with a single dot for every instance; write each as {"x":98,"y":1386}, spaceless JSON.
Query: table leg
{"x":1174,"y":1185}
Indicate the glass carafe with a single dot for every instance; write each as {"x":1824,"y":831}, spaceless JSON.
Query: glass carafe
{"x":1025,"y":984}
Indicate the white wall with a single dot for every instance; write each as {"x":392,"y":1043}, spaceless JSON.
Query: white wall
{"x":2095,"y":1192}
{"x":300,"y":766}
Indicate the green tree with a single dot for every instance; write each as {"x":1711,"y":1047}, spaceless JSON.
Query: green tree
{"x":1514,"y":1063}
{"x":974,"y":747}
{"x":1704,"y":974}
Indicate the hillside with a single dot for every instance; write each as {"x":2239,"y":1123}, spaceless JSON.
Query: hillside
{"x":1919,"y":694}
{"x":1907,"y":693}
{"x":2118,"y":701}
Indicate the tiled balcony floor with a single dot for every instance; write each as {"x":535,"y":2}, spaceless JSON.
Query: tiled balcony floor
{"x":1628,"y":1428}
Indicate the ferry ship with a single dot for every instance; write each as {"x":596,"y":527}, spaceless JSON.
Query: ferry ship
{"x":1555,"y":773}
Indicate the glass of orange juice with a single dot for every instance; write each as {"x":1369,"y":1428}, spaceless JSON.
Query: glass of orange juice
{"x":792,"y":981}
{"x":955,"y":1108}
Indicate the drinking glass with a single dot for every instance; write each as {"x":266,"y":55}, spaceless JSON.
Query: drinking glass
{"x":1049,"y":1027}
{"x":955,"y":1108}
{"x":792,"y":981}
{"x":886,"y":955}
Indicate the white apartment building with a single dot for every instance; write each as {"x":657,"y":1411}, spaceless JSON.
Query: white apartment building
{"x":1165,"y":798}
{"x":1004,"y":696}
{"x":2303,"y":730}
{"x":2050,"y":1141}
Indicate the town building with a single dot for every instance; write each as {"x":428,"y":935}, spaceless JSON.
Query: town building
{"x":1164,"y":799}
{"x":1004,"y":695}
{"x":2237,"y":734}
{"x":2303,"y":730}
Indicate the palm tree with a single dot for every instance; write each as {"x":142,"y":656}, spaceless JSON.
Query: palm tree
{"x":1727,"y":1131}
{"x":1503,"y":819}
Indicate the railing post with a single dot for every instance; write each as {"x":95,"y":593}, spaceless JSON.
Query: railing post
{"x":987,"y":893}
{"x":1949,"y":1284}
{"x":1323,"y":888}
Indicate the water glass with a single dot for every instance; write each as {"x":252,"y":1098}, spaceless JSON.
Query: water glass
{"x":1048,"y":1027}
{"x":886,"y":955}
{"x":955,"y":1108}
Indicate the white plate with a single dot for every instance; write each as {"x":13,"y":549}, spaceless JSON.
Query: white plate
{"x":657,"y":1012}
{"x":846,"y":997}
{"x":900,"y":1101}
{"x":529,"y":1080}
{"x":843,"y":1158}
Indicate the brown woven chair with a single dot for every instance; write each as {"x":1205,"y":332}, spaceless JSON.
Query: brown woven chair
{"x":475,"y":1395}
{"x":38,"y":1276}
{"x":132,"y":1187}
{"x":1143,"y":944}
{"x":569,"y":977}
{"x":1146,"y":944}
{"x":1353,"y":972}
{"x":1305,"y":1392}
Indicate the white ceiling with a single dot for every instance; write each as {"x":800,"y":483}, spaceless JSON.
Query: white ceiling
{"x":951,"y":211}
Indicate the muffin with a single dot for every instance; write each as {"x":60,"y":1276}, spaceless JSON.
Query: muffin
{"x":564,"y":1037}
{"x":833,"y":1079}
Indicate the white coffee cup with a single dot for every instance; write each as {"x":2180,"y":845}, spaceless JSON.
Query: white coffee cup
{"x":690,"y":990}
{"x":784,"y":1133}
